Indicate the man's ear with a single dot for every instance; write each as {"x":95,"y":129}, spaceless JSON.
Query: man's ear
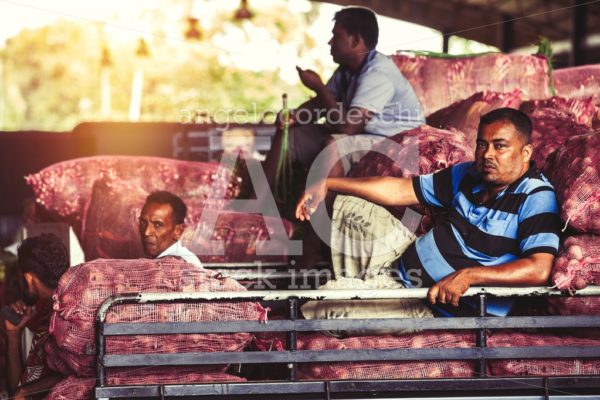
{"x":29,"y":278}
{"x":527,"y":151}
{"x":179,"y":228}
{"x":356,"y":41}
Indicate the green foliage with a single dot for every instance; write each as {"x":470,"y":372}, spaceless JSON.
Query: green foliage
{"x":545,"y":49}
{"x":52,"y":74}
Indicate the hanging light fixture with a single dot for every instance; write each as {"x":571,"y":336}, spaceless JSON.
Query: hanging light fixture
{"x":142,"y":50}
{"x":105,"y":57}
{"x":193,"y":31}
{"x":243,"y":12}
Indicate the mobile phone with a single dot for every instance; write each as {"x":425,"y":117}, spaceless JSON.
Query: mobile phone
{"x":11,"y":315}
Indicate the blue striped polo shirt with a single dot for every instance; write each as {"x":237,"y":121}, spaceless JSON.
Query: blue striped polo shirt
{"x":521,"y":220}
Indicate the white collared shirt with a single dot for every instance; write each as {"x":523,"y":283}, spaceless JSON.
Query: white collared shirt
{"x":179,"y":250}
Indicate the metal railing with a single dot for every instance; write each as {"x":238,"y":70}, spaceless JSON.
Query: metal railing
{"x":291,"y":357}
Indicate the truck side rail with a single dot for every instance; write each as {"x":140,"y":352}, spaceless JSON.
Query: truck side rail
{"x":291,"y":357}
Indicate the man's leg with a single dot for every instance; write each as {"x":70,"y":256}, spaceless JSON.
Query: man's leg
{"x":340,"y":152}
{"x":305,"y":143}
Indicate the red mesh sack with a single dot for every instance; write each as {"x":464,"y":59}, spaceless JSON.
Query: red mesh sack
{"x":83,"y":288}
{"x":439,"y":82}
{"x":73,"y":388}
{"x":55,"y":359}
{"x":545,"y":367}
{"x":387,"y":369}
{"x":583,"y":110}
{"x":573,"y":170}
{"x":579,"y":82}
{"x":110,"y":220}
{"x":65,"y":188}
{"x":464,"y":115}
{"x":551,"y":129}
{"x":437,"y":149}
{"x":578,"y":263}
{"x":110,"y":228}
{"x":588,"y":305}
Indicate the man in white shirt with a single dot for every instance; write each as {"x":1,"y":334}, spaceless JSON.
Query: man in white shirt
{"x":161,"y":225}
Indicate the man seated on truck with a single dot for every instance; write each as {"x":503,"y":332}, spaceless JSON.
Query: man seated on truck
{"x":501,"y":228}
{"x":42,"y":260}
{"x":161,"y":225}
{"x":365,"y":100}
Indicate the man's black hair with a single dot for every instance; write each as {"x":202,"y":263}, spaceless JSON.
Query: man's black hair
{"x":517,"y":118}
{"x":360,"y":21}
{"x":44,"y":256}
{"x":177,"y":205}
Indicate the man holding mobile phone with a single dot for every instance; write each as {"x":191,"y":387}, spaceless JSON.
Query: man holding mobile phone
{"x":42,"y":260}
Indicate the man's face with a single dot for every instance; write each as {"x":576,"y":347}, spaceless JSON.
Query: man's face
{"x":340,"y":44}
{"x":501,"y":155}
{"x":158,"y":231}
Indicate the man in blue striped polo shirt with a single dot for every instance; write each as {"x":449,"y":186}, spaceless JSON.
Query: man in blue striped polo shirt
{"x":502,"y":224}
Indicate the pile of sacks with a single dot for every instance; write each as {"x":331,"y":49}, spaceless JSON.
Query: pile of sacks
{"x":454,"y":93}
{"x":102,"y":197}
{"x":447,"y":339}
{"x":83,"y":288}
{"x":573,"y":170}
{"x":110,"y":228}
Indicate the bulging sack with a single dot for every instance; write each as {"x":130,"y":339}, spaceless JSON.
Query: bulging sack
{"x":578,"y":263}
{"x":83,"y":288}
{"x":573,"y":171}
{"x":439,"y":82}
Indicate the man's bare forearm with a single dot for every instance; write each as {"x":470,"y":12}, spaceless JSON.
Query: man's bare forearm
{"x":40,"y":386}
{"x":386,"y":191}
{"x":528,"y":271}
{"x":15,"y":364}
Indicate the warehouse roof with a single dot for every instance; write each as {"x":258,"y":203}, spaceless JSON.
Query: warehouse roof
{"x":506,"y":24}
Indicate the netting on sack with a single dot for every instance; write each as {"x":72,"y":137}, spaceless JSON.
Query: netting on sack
{"x":583,"y":109}
{"x":65,"y":188}
{"x":546,"y":367}
{"x":573,"y":171}
{"x":551,"y":129}
{"x":54,"y":358}
{"x":464,"y":115}
{"x":422,"y":150}
{"x":578,"y":82}
{"x":439,"y":82}
{"x":83,"y":288}
{"x":588,"y":305}
{"x":110,"y":228}
{"x":387,"y":369}
{"x":578,"y":263}
{"x":73,"y":388}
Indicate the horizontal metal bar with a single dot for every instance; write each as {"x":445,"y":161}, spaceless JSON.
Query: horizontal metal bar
{"x":579,"y":321}
{"x":212,"y":389}
{"x":253,"y":275}
{"x":480,"y":386}
{"x":542,"y":352}
{"x":346,"y":294}
{"x":253,"y":265}
{"x":272,"y":295}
